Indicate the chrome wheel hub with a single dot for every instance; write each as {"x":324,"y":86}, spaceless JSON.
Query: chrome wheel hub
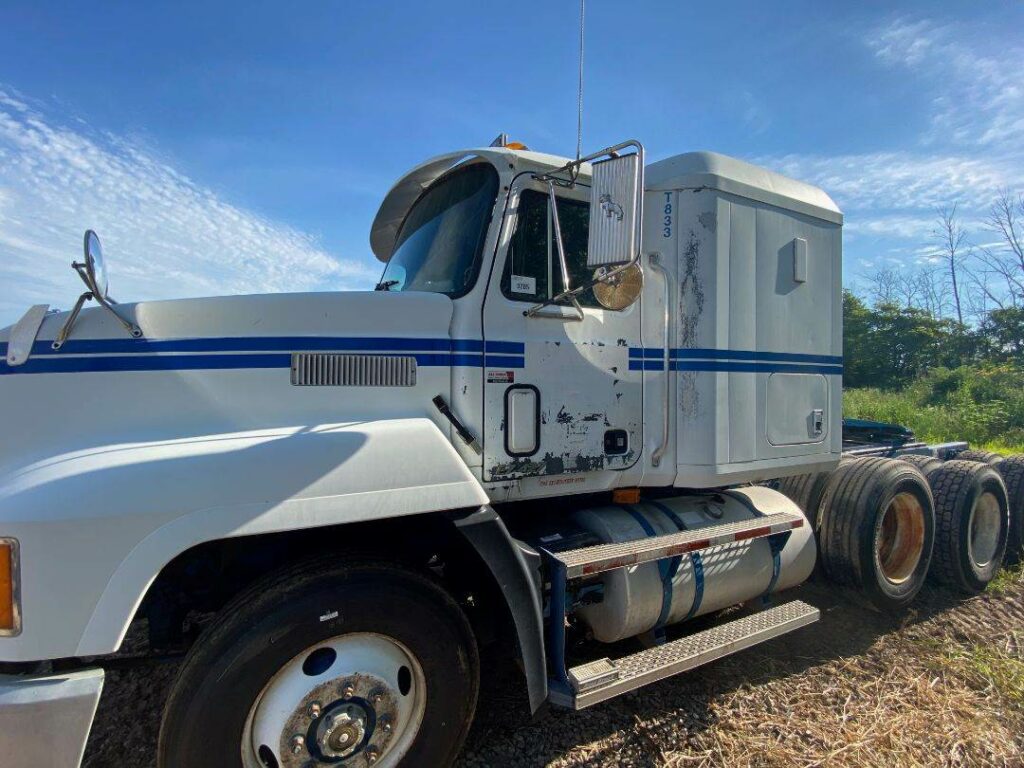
{"x":984,"y":529}
{"x":353,"y":700}
{"x":341,"y":734}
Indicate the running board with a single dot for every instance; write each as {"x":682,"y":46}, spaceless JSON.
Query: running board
{"x":606,"y":557}
{"x":600,"y":680}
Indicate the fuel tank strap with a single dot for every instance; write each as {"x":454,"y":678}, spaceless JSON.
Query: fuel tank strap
{"x":667,"y":568}
{"x":695,"y":560}
{"x":775,"y":543}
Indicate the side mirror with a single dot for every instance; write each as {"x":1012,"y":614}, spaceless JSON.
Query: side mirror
{"x":95,"y":276}
{"x":93,"y":272}
{"x":614,"y":236}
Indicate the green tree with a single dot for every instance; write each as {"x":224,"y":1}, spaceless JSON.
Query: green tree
{"x":1003,"y":332}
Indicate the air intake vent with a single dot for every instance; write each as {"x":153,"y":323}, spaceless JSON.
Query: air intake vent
{"x":317,"y":369}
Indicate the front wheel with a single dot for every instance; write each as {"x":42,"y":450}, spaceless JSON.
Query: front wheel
{"x":327,"y":665}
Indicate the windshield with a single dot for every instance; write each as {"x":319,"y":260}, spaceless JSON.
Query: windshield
{"x":438,"y":247}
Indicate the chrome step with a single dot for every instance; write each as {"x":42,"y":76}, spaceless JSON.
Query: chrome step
{"x":598,"y":681}
{"x":605,"y":557}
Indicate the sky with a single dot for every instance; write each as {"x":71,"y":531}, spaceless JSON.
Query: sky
{"x":244,"y":147}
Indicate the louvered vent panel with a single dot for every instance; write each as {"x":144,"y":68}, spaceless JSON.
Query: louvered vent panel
{"x":319,"y":369}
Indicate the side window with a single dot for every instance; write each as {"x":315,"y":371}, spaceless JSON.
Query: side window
{"x":526,"y":275}
{"x":532,"y":271}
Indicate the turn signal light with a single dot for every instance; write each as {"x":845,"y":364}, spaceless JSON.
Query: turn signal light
{"x":626,"y":496}
{"x":10,"y":611}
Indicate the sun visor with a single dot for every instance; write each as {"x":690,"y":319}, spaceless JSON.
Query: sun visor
{"x":400,"y":198}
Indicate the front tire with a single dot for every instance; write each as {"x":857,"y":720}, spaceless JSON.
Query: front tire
{"x":351,"y":664}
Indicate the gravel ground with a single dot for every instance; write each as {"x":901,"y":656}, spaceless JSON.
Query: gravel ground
{"x":943,"y":685}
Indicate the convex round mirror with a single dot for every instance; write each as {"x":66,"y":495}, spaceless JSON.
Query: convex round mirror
{"x":95,"y":269}
{"x":620,"y":290}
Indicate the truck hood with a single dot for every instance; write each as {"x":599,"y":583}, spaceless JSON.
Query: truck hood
{"x":282,"y":314}
{"x":212,"y":365}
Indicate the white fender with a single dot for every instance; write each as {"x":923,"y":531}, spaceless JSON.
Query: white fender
{"x":107,"y":519}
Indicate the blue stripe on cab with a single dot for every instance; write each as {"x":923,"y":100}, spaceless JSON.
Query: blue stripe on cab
{"x":740,"y":354}
{"x":646,"y":352}
{"x":506,"y":347}
{"x":247,"y":344}
{"x":646,"y":365}
{"x":729,"y":366}
{"x":109,"y":363}
{"x":504,"y":361}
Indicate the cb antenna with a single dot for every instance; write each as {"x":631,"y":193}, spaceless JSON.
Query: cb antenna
{"x":579,"y":98}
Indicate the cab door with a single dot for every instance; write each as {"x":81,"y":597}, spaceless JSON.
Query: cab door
{"x":561,"y":397}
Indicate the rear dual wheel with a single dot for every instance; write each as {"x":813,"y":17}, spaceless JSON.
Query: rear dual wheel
{"x":982,"y":457}
{"x":972,"y":524}
{"x":327,"y":665}
{"x":806,"y":492}
{"x":876,"y":530}
{"x":1012,"y":470}
{"x":924,"y":463}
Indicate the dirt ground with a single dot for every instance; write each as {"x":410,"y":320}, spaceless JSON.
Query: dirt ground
{"x":941,"y":685}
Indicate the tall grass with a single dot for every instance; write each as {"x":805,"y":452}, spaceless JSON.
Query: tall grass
{"x":984,"y":406}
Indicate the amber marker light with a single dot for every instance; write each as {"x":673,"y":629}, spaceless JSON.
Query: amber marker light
{"x":626,"y":496}
{"x":10,"y":610}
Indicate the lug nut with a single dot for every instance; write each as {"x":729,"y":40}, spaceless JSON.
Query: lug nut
{"x":348,"y":690}
{"x":314,"y":709}
{"x":298,"y":742}
{"x":385,"y":724}
{"x":371,"y":755}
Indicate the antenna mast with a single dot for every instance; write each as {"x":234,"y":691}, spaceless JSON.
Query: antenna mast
{"x":579,"y":100}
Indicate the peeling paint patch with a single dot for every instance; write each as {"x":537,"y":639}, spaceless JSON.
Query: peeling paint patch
{"x":691,"y":308}
{"x":709,"y":220}
{"x":691,"y":293}
{"x":688,"y":399}
{"x":589,"y":463}
{"x":517,"y":467}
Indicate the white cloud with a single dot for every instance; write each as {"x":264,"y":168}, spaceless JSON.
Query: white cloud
{"x":163,"y":234}
{"x":899,"y":180}
{"x":973,"y":146}
{"x":979,"y":89}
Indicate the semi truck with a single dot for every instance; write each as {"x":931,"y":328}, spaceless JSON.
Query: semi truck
{"x":589,"y":420}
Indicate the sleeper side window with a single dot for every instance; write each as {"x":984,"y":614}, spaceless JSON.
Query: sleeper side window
{"x":532,"y":271}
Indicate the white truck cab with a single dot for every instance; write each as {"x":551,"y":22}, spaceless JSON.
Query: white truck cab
{"x":544,"y":424}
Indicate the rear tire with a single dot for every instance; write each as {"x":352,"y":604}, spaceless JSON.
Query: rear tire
{"x":806,"y":492}
{"x":927,"y":464}
{"x":327,"y":656}
{"x":983,"y":457}
{"x":877,"y":529}
{"x":1012,"y":470}
{"x":972,"y":519}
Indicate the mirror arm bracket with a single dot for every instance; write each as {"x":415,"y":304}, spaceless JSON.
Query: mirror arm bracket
{"x":65,"y":331}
